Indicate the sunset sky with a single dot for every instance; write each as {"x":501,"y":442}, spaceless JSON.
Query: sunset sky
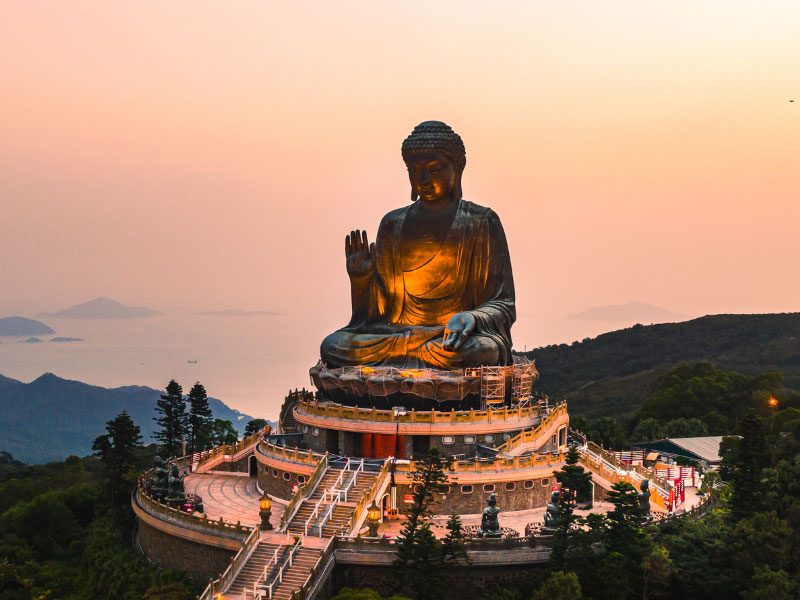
{"x":205,"y":156}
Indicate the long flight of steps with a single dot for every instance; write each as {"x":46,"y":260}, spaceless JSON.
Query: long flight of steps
{"x":254,"y":567}
{"x":341,"y":512}
{"x":296,"y":575}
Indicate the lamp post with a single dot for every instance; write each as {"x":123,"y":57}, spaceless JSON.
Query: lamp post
{"x":773,"y":402}
{"x":265,"y":512}
{"x":373,"y":519}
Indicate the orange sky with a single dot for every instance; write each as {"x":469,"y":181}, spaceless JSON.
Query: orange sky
{"x":198,"y":155}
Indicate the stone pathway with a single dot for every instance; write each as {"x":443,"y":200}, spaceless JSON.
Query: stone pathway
{"x":232,"y":497}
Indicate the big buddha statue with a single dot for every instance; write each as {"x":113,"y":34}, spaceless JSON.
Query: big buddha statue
{"x":435,"y":289}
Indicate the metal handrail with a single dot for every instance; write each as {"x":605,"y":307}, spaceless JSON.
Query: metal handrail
{"x":303,"y":492}
{"x":219,"y":585}
{"x":315,"y":512}
{"x":279,"y":575}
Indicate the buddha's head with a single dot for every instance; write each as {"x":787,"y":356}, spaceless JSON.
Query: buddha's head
{"x":435,"y":157}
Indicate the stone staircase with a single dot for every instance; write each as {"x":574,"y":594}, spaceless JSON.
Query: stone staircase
{"x":253,"y":568}
{"x":304,"y":560}
{"x":296,"y":575}
{"x":341,"y":512}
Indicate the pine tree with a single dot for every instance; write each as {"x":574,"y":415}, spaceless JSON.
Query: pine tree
{"x":453,"y":544}
{"x":200,"y":419}
{"x":750,"y":457}
{"x":254,"y":425}
{"x":171,"y":418}
{"x":116,"y":448}
{"x":414,"y":548}
{"x":575,"y":482}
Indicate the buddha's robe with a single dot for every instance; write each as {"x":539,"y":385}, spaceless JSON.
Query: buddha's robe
{"x":399,"y":315}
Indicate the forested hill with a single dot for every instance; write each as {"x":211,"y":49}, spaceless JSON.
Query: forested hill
{"x":611,"y":375}
{"x":51,"y":418}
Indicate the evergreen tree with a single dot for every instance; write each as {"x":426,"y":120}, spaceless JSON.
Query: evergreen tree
{"x":418,"y":553}
{"x":559,"y":586}
{"x":625,"y":521}
{"x":171,"y":418}
{"x":223,"y":432}
{"x":575,"y":484}
{"x":200,"y":419}
{"x":751,"y":455}
{"x":453,"y":544}
{"x":116,"y":449}
{"x":254,"y":425}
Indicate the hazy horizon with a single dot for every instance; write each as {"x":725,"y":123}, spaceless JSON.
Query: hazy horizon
{"x":193,"y":157}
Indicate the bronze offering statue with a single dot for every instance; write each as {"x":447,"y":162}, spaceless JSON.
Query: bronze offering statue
{"x":644,"y":497}
{"x":176,"y":494}
{"x":490,"y":526}
{"x":551,"y":516}
{"x":435,"y":289}
{"x":160,"y":475}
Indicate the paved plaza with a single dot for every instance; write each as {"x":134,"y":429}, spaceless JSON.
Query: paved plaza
{"x":232,"y":497}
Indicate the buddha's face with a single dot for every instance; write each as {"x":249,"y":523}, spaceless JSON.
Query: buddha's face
{"x":432,"y":175}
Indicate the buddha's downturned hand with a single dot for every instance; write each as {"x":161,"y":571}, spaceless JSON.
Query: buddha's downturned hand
{"x":360,"y":255}
{"x":458,"y":328}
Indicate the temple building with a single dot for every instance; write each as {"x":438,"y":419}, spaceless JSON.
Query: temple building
{"x":425,"y":362}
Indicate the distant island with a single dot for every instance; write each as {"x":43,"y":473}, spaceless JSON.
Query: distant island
{"x":638,"y":312}
{"x":234,"y":312}
{"x":20,"y":326}
{"x":31,"y":340}
{"x":65,"y":339}
{"x":103,"y":308}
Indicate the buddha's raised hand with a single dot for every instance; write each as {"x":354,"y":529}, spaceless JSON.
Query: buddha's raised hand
{"x":360,"y":255}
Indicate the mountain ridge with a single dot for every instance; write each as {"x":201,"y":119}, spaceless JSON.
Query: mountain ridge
{"x":611,"y":374}
{"x":76,"y":413}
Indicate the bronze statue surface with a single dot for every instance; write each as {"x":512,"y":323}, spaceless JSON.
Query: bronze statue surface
{"x":435,"y":289}
{"x":490,"y":525}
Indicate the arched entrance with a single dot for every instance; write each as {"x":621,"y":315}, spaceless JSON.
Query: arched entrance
{"x":253,"y":469}
{"x":386,"y":506}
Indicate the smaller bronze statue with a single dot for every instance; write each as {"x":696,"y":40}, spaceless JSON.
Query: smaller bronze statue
{"x":160,"y":478}
{"x":551,"y":516}
{"x":176,"y":494}
{"x":490,"y":526}
{"x":644,"y":497}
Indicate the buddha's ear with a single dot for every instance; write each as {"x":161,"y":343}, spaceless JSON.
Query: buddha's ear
{"x":413,"y":195}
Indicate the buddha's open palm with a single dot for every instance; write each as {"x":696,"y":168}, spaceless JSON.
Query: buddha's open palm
{"x":360,"y":254}
{"x":458,"y":328}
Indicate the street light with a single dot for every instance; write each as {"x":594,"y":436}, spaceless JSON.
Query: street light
{"x":373,"y":518}
{"x":773,"y":402}
{"x":265,"y":506}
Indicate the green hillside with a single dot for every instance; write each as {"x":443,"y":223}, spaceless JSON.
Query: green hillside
{"x":50,"y":418}
{"x":612,"y":374}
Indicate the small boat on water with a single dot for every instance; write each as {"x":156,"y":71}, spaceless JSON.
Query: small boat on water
{"x":192,"y":362}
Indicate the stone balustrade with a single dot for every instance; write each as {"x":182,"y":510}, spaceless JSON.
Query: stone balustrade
{"x":373,"y":415}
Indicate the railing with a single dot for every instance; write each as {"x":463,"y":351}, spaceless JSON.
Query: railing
{"x":302,"y":592}
{"x":256,"y":592}
{"x":302,"y":492}
{"x":606,"y":465}
{"x":193,"y":520}
{"x":290,"y":454}
{"x":315,"y":513}
{"x":370,"y":493}
{"x":496,"y":465}
{"x":278,"y":578}
{"x":205,"y":457}
{"x":343,"y":490}
{"x":354,"y":413}
{"x":218,"y":586}
{"x":326,"y":517}
{"x":534,"y":434}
